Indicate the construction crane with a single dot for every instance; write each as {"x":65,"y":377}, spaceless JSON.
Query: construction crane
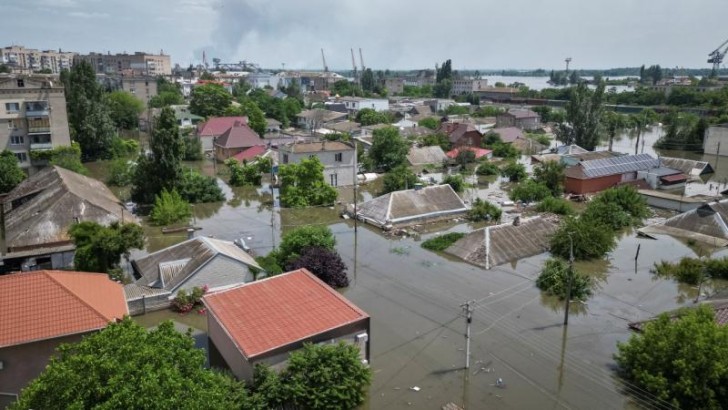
{"x":353,"y":64}
{"x":361,"y":59}
{"x":716,"y":57}
{"x":326,"y":68}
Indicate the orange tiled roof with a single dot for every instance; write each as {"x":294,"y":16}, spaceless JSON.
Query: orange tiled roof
{"x":264,"y":315}
{"x":47,"y":304}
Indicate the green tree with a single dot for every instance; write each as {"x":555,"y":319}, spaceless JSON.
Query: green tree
{"x":559,"y":206}
{"x":209,"y":100}
{"x":121,"y":172}
{"x":591,"y":240}
{"x":197,"y":188}
{"x":584,"y":114}
{"x":99,"y":248}
{"x":443,"y":80}
{"x":618,"y":207}
{"x":162,"y":169}
{"x":369,"y":116}
{"x":125,"y":109}
{"x":484,"y":211}
{"x":613,"y":124}
{"x":169,"y":207}
{"x":681,"y":361}
{"x":367,"y":80}
{"x":89,"y":118}
{"x":192,"y":148}
{"x":438,"y":139}
{"x":388,"y":149}
{"x":529,"y":191}
{"x":10,"y":173}
{"x":514,"y":171}
{"x":551,"y":174}
{"x":455,"y":181}
{"x":256,"y":117}
{"x":243,"y":174}
{"x":557,"y":279}
{"x":429,"y":122}
{"x":125,"y":366}
{"x":294,"y":242}
{"x":165,"y":99}
{"x":303,"y":184}
{"x":4,"y":68}
{"x":398,"y":178}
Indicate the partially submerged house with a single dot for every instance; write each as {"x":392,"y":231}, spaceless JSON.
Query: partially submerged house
{"x":264,"y":321}
{"x":499,"y":244}
{"x":720,"y":309}
{"x":689,"y":167}
{"x":41,"y":209}
{"x":599,"y":174}
{"x":338,"y":158}
{"x":42,"y":309}
{"x":196,"y":262}
{"x":412,"y":206}
{"x":461,"y":134}
{"x":213,"y":128}
{"x":663,"y":178}
{"x":235,"y":140}
{"x":707,"y":223}
{"x":478,"y":153}
{"x":318,"y":117}
{"x":426,"y":155}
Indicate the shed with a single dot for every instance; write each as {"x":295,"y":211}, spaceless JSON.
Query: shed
{"x":687,"y":166}
{"x":426,"y":155}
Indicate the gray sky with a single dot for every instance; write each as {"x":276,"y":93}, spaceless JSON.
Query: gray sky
{"x":397,"y":34}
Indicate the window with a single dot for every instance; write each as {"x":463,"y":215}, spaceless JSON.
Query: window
{"x":12,"y":107}
{"x":285,"y":158}
{"x":17,"y":140}
{"x":334,"y":179}
{"x":22,"y":157}
{"x":339,"y":157}
{"x":21,"y":83}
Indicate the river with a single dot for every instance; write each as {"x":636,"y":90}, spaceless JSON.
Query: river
{"x":539,"y":83}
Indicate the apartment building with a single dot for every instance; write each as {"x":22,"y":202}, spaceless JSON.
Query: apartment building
{"x":139,"y":63}
{"x":32,"y":117}
{"x":462,"y":86}
{"x":28,"y":60}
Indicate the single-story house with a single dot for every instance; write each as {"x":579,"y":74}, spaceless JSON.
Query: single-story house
{"x":707,"y":223}
{"x":337,"y":157}
{"x":426,"y":155}
{"x":317,"y":118}
{"x":461,"y":134}
{"x":41,"y":209}
{"x":689,"y":167}
{"x":185,"y":119}
{"x":479,"y":152}
{"x":555,"y":154}
{"x":411,"y":206}
{"x":264,"y":321}
{"x":251,"y":153}
{"x":499,"y":244}
{"x":196,"y":262}
{"x":214,"y":128}
{"x":575,"y":158}
{"x":720,"y":309}
{"x":236,"y":139}
{"x":272,"y":126}
{"x":599,"y":174}
{"x":509,"y":134}
{"x":676,"y":202}
{"x":663,"y":178}
{"x":40,"y":310}
{"x":520,"y":118}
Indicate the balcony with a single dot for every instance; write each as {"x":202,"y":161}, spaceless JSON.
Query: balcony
{"x":37,"y":109}
{"x":41,"y":146}
{"x":44,"y":129}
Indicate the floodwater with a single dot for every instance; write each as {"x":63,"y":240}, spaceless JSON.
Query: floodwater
{"x":539,"y":83}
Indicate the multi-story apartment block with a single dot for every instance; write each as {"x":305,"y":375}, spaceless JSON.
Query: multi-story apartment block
{"x":138,"y":63}
{"x":462,"y":86}
{"x":27,"y":60}
{"x":32,"y":117}
{"x":143,"y":87}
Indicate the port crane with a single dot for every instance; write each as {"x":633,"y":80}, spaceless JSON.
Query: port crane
{"x":716,"y":56}
{"x":326,"y":68}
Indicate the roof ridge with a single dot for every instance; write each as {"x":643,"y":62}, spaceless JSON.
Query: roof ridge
{"x":75,"y":295}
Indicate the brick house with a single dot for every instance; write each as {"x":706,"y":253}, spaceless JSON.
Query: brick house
{"x":600,"y":174}
{"x":40,"y":310}
{"x":264,"y":321}
{"x":235,"y":140}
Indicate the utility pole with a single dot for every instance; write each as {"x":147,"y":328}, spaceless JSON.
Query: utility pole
{"x":717,"y":154}
{"x":571,"y":275}
{"x":356,"y":186}
{"x":468,"y":308}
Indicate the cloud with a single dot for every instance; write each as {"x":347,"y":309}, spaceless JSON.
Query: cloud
{"x":88,"y":14}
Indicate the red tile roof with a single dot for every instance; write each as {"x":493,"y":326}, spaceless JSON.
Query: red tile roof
{"x":250,"y":153}
{"x":239,"y":136}
{"x":479,"y":152}
{"x":275,"y":312}
{"x":214,"y":127}
{"x":43,"y":305}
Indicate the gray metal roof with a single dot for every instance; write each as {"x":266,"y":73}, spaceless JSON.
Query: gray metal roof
{"x":687,"y":166}
{"x":664,"y":171}
{"x":618,"y":165}
{"x":404,"y":206}
{"x":426,"y":155}
{"x":708,"y":223}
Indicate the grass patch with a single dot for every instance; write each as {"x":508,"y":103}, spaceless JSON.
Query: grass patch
{"x":442,"y":242}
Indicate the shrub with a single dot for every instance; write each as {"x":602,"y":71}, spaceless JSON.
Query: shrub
{"x":398,"y":178}
{"x":484,"y":211}
{"x":529,"y":191}
{"x":326,"y":264}
{"x":487,"y":168}
{"x":559,"y":206}
{"x":192,"y":148}
{"x":184,"y":302}
{"x":688,"y":270}
{"x":554,"y":280}
{"x":442,"y":242}
{"x":514,"y":171}
{"x":628,"y":199}
{"x":503,"y":150}
{"x":455,"y":181}
{"x":122,"y":147}
{"x":607,"y":214}
{"x":169,"y":207}
{"x":429,"y":122}
{"x":121,"y":172}
{"x":197,"y":188}
{"x":295,"y":241}
{"x":591,"y":240}
{"x":243,"y":174}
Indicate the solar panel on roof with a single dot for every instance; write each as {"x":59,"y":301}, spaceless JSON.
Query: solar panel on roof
{"x":618,"y":165}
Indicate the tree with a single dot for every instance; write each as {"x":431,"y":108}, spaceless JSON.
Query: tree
{"x":682,"y":361}
{"x":192,"y":148}
{"x":89,"y":118}
{"x":165,"y":99}
{"x":169,"y":207}
{"x":197,"y":188}
{"x":294,"y":242}
{"x":367,"y":80}
{"x":125,"y":109}
{"x":209,"y":100}
{"x":455,"y":181}
{"x":369,"y":116}
{"x":514,"y":171}
{"x":256,"y":117}
{"x":559,"y":206}
{"x":10,"y":172}
{"x":326,"y":264}
{"x":243,"y":174}
{"x":388,"y":149}
{"x":429,"y":122}
{"x":162,"y":169}
{"x":443,"y":80}
{"x":126,"y":366}
{"x":639,"y":123}
{"x":584,"y":113}
{"x":627,"y":208}
{"x":613,"y":123}
{"x":121,"y":172}
{"x":68,"y":157}
{"x":303,"y":184}
{"x":484,"y":211}
{"x":99,"y":248}
{"x":398,"y":178}
{"x":558,"y":279}
{"x":438,"y":139}
{"x":591,"y":240}
{"x":465,"y":157}
{"x":529,"y":191}
{"x":551,"y":174}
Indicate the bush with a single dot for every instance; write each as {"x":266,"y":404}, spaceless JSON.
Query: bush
{"x":554,"y":280}
{"x":559,"y":206}
{"x":591,"y":240}
{"x":607,"y":214}
{"x":121,"y":172}
{"x":502,"y":150}
{"x":484,"y":211}
{"x":487,"y":168}
{"x":429,"y":122}
{"x":529,"y":191}
{"x":688,"y":270}
{"x":295,"y":241}
{"x":398,"y":178}
{"x":455,"y":181}
{"x":169,"y":207}
{"x":243,"y":174}
{"x":442,"y":242}
{"x":326,"y":264}
{"x":438,"y":139}
{"x":717,"y":268}
{"x":122,"y":147}
{"x":197,"y":188}
{"x":184,"y":302}
{"x":628,"y":200}
{"x":514,"y":171}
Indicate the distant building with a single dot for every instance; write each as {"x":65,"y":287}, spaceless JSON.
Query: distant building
{"x":32,"y":117}
{"x":263,"y":322}
{"x":317,"y":118}
{"x":519,"y":118}
{"x":337,"y":157}
{"x":141,"y":86}
{"x":464,"y":86}
{"x":354,"y":104}
{"x":394,"y":85}
{"x":139,"y":63}
{"x":497,"y":93}
{"x":27,"y":60}
{"x":716,"y":140}
{"x":41,"y":310}
{"x":185,"y":118}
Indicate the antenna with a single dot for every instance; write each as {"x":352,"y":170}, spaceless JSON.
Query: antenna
{"x":326,"y":68}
